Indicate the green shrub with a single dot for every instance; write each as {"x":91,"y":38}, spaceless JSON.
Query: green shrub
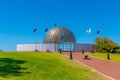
{"x":117,"y":51}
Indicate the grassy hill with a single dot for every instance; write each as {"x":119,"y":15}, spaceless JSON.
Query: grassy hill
{"x":43,"y":66}
{"x":113,"y":56}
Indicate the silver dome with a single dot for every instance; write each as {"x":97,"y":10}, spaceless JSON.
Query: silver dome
{"x":59,"y":34}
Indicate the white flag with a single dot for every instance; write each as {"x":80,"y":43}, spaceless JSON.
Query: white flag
{"x":89,"y":30}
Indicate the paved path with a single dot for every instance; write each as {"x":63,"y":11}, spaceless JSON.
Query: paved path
{"x":106,"y":67}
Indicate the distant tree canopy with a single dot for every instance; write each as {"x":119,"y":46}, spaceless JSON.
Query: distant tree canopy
{"x":105,"y":44}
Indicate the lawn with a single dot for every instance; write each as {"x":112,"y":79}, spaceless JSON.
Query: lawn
{"x":43,"y":66}
{"x":113,"y":56}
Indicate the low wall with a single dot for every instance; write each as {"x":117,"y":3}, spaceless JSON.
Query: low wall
{"x":55,"y":47}
{"x":86,"y":47}
{"x":39,"y":47}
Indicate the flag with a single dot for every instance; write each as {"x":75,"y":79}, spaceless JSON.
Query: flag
{"x":98,"y":32}
{"x":46,"y":29}
{"x":35,"y":29}
{"x":89,"y":30}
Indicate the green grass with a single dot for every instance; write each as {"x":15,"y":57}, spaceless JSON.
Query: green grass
{"x":43,"y":66}
{"x":113,"y":56}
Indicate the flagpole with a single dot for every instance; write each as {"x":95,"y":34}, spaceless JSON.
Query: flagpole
{"x":100,"y":38}
{"x":90,"y":36}
{"x":91,"y":40}
{"x":36,"y":40}
{"x":55,"y":37}
{"x":100,"y":42}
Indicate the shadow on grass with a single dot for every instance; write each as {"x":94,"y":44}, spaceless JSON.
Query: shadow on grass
{"x":10,"y":67}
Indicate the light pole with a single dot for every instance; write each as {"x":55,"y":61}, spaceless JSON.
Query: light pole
{"x":71,"y":50}
{"x":108,"y":55}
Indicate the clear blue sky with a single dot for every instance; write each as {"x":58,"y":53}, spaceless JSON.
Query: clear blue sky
{"x":18,"y":18}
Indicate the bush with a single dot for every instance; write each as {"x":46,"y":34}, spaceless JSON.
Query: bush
{"x":92,"y":51}
{"x":117,"y":51}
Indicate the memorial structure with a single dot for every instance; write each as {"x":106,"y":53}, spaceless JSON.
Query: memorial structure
{"x":57,"y":38}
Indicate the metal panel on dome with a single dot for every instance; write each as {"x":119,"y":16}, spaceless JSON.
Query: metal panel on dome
{"x":62,"y":36}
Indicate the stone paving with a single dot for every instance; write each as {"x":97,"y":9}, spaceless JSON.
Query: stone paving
{"x":106,"y":67}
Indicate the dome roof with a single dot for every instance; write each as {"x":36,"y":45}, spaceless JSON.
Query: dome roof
{"x":59,"y":34}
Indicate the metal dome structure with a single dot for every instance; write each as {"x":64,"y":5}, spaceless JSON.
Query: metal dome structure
{"x":57,"y":39}
{"x":59,"y":34}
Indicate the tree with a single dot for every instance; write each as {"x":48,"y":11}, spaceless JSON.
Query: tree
{"x":104,"y":44}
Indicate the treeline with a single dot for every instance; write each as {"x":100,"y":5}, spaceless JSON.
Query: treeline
{"x":104,"y":44}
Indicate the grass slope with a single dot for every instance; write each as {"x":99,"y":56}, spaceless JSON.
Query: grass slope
{"x":43,"y":66}
{"x":113,"y":57}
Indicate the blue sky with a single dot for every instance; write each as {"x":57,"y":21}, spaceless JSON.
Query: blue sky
{"x":19,"y":17}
